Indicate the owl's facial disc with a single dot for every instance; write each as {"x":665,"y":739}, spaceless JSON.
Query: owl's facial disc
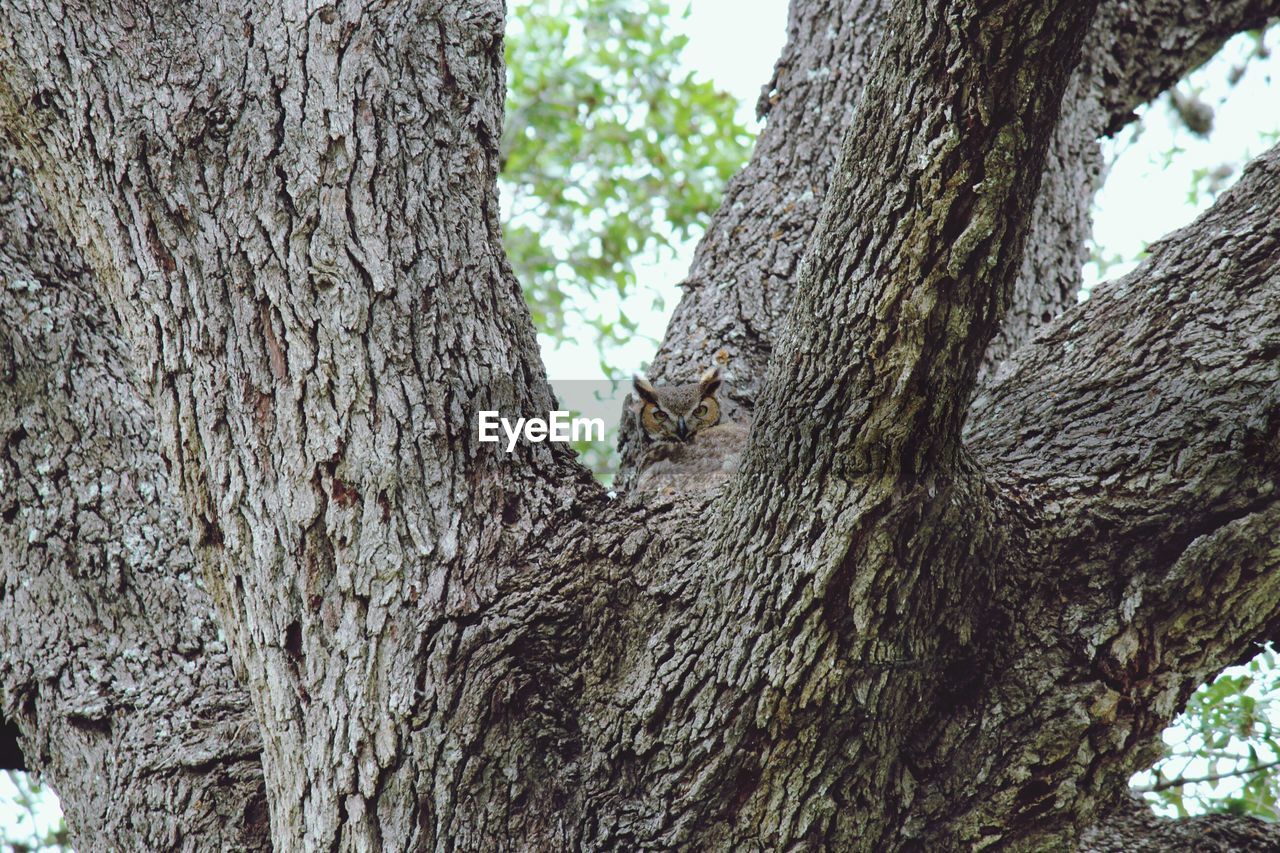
{"x":671,"y":413}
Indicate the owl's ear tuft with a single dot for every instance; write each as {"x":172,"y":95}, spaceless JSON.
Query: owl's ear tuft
{"x":645,"y":390}
{"x":709,"y":381}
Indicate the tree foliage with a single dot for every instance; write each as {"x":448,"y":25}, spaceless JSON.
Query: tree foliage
{"x":1223,"y":753}
{"x":36,"y":824}
{"x":611,"y":152}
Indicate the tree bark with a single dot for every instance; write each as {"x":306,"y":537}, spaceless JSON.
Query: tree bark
{"x":738,"y":291}
{"x":881,"y":636}
{"x":312,"y":233}
{"x":112,"y":662}
{"x":1134,"y":829}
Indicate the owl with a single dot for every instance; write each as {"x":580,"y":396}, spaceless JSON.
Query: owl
{"x":689,"y":447}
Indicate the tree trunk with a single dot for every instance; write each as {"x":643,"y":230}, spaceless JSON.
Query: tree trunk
{"x":113,"y":663}
{"x":262,"y":367}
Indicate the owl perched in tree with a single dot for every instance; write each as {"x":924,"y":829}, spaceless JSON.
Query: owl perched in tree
{"x":689,"y":448}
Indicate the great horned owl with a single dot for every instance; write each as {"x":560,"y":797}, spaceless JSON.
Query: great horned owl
{"x":689,"y":447}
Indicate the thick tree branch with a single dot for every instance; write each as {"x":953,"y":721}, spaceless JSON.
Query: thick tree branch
{"x":1043,"y":807}
{"x":110,"y":660}
{"x":1134,"y":829}
{"x":890,"y":323}
{"x":1182,"y":356}
{"x":323,"y":319}
{"x":1134,"y":52}
{"x":1154,"y":43}
{"x":851,"y":589}
{"x":1139,"y":441}
{"x":740,"y":286}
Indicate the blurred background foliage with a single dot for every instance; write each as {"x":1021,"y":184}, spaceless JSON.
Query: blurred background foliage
{"x":612,"y":152}
{"x":1223,"y":753}
{"x":31,"y":819}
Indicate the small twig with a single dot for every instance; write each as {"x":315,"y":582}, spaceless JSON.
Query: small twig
{"x":1212,"y":777}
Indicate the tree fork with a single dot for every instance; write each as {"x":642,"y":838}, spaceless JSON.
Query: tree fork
{"x":634,"y":673}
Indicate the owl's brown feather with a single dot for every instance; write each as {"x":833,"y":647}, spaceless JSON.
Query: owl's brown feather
{"x":705,"y":462}
{"x":689,"y":448}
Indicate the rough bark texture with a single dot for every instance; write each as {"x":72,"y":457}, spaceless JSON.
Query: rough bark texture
{"x":308,"y":244}
{"x":111,"y":661}
{"x":739,"y":289}
{"x":1134,"y":829}
{"x":880,"y":637}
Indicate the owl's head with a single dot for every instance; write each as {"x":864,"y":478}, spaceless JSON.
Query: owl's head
{"x":677,"y":412}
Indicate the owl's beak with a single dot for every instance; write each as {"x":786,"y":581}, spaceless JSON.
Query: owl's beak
{"x":682,"y":432}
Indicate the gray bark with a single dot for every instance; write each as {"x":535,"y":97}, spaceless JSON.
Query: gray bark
{"x":739,"y":289}
{"x":880,"y":637}
{"x":112,"y":662}
{"x":1134,"y":829}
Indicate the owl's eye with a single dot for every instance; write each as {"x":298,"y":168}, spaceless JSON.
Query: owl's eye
{"x":659,"y":415}
{"x":701,"y":411}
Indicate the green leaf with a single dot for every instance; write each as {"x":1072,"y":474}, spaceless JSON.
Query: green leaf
{"x":602,"y":124}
